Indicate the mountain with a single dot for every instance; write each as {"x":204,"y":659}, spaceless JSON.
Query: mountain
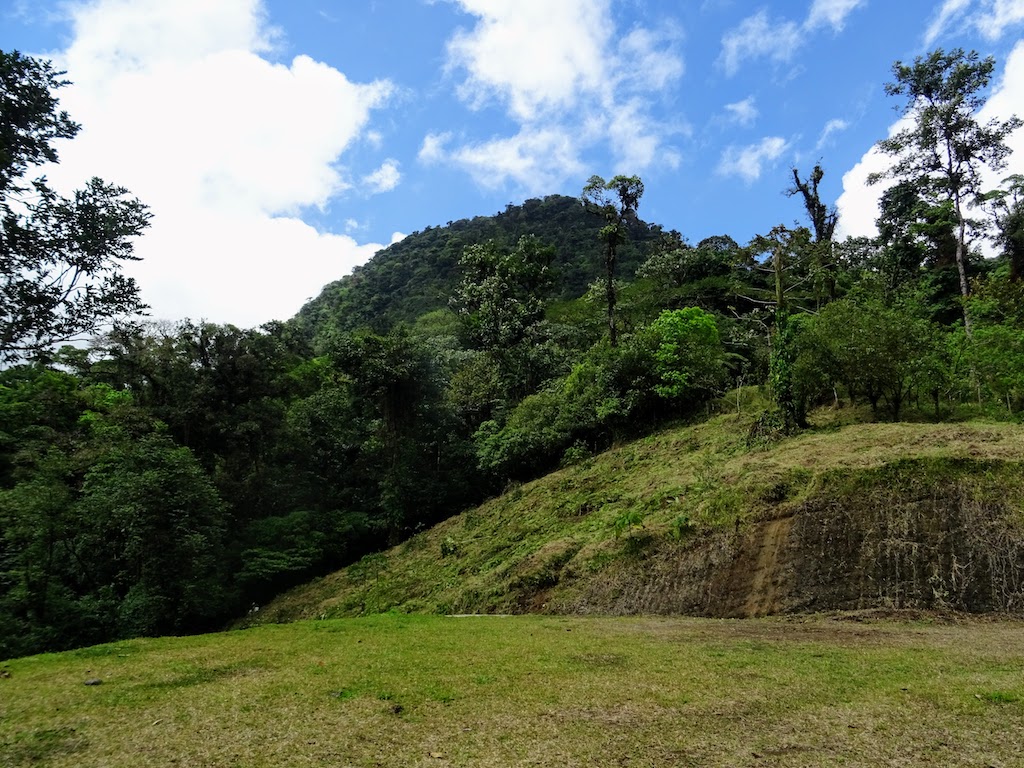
{"x":419,"y":273}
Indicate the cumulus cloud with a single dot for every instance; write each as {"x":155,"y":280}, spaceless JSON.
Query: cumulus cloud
{"x":180,"y":105}
{"x":384,"y":179}
{"x":1006,"y":99}
{"x":559,"y":70}
{"x":534,"y":54}
{"x":761,"y":37}
{"x":742,"y":112}
{"x":533,"y":160}
{"x":748,"y":162}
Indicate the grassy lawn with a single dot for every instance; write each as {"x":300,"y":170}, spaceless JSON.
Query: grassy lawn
{"x":400,"y":690}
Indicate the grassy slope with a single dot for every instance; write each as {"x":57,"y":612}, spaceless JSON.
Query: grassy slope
{"x":534,"y":690}
{"x":696,"y":494}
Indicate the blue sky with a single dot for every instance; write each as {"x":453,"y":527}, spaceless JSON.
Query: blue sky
{"x":281,"y":142}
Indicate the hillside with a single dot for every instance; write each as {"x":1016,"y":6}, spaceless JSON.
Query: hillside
{"x":693,"y":520}
{"x":419,"y":273}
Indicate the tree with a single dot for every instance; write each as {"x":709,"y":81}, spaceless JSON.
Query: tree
{"x":878,"y":352}
{"x":617,"y":202}
{"x":689,"y":358}
{"x":500,"y":304}
{"x":902,"y":252}
{"x":150,"y":534}
{"x":788,"y":256}
{"x":944,"y":148}
{"x":502,"y":292}
{"x":823,"y":220}
{"x":107,"y":528}
{"x":60,"y":258}
{"x":679,"y":275}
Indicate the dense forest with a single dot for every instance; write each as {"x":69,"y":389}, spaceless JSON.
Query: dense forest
{"x":165,"y":479}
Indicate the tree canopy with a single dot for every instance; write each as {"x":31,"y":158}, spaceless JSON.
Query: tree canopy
{"x":60,"y":257}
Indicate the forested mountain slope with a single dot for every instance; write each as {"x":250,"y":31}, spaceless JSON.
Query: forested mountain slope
{"x":419,"y":273}
{"x":701,"y":520}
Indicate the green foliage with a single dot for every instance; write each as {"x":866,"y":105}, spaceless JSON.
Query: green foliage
{"x":282,"y":550}
{"x":943,"y":148}
{"x":153,"y":533}
{"x":420,"y":273}
{"x":107,"y":528}
{"x":170,"y":476}
{"x":612,"y":392}
{"x":501,"y":293}
{"x":615,"y":202}
{"x":995,"y":351}
{"x":688,"y":356}
{"x":627,"y":521}
{"x":881,"y":353}
{"x":60,"y":258}
{"x":682,"y":527}
{"x":679,"y":276}
{"x":576,"y":453}
{"x":785,"y":389}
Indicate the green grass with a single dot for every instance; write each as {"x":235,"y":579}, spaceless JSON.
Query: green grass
{"x":542,"y":545}
{"x":398,"y":690}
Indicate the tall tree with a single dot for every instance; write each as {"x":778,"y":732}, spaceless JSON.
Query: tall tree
{"x":944,"y":147}
{"x":60,"y":258}
{"x":616,"y":201}
{"x":823,"y":220}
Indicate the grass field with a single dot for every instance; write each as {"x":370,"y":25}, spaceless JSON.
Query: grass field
{"x":398,"y":690}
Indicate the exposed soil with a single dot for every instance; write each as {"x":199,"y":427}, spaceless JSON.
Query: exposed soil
{"x":891,"y":540}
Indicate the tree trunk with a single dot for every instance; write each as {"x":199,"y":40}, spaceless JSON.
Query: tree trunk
{"x":609,"y":263}
{"x":965,"y":288}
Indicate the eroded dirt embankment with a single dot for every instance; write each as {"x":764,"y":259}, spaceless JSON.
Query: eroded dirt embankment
{"x":926,"y":535}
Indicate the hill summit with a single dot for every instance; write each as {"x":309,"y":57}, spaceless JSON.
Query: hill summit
{"x":419,"y":273}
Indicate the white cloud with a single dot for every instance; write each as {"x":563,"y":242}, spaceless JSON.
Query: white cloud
{"x":652,"y":67}
{"x":748,"y":162}
{"x":384,"y":179}
{"x":635,"y":144}
{"x":998,"y":16}
{"x":225,"y":147}
{"x":433,"y":148}
{"x":831,"y":12}
{"x":534,"y":54}
{"x":742,"y":112}
{"x":560,"y":70}
{"x":534,"y":160}
{"x":831,"y":127}
{"x":1007,"y":99}
{"x":858,"y":203}
{"x":949,"y":12}
{"x":756,"y":37}
{"x":992,"y":18}
{"x":759,"y":37}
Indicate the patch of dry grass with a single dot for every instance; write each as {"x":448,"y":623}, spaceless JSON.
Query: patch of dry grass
{"x":537,"y":691}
